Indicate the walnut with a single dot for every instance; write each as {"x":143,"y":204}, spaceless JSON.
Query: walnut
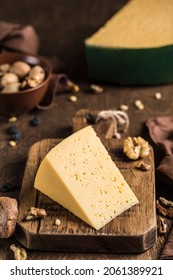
{"x":19,"y":253}
{"x":35,"y":213}
{"x":136,"y":147}
{"x":164,"y":209}
{"x":166,"y":202}
{"x":143,"y":166}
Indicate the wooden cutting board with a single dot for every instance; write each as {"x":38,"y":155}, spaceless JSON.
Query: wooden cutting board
{"x":132,"y":232}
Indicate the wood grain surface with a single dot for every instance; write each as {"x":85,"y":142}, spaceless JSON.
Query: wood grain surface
{"x":131,"y":232}
{"x":61,"y":31}
{"x":57,"y":123}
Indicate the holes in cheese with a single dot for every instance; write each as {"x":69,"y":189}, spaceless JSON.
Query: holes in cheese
{"x":86,"y":183}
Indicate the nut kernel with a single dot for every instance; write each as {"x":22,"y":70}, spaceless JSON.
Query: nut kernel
{"x":19,"y":253}
{"x":72,"y":86}
{"x":135,"y":147}
{"x":57,"y":222}
{"x":139,"y":105}
{"x":158,"y":95}
{"x":73,"y":98}
{"x":96,"y":89}
{"x":124,"y":107}
{"x":12,"y":143}
{"x":12,"y":119}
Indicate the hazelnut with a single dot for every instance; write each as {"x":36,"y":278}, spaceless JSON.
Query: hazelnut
{"x":4,"y":68}
{"x":20,"y":68}
{"x":36,"y":76}
{"x":11,"y":88}
{"x":9,"y":78}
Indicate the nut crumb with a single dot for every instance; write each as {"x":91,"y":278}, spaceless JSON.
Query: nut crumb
{"x":143,"y":166}
{"x":19,"y":253}
{"x":124,"y":107}
{"x":96,"y":88}
{"x":57,"y":222}
{"x":158,"y":95}
{"x":166,"y":202}
{"x":12,"y":119}
{"x":12,"y":143}
{"x":161,"y":225}
{"x":139,"y":105}
{"x":72,"y":86}
{"x":73,"y":98}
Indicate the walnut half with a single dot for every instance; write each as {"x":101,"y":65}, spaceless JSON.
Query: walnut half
{"x":35,"y":213}
{"x":136,"y":147}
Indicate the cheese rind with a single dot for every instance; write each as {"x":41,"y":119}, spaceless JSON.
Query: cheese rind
{"x":135,"y":46}
{"x":80,"y":175}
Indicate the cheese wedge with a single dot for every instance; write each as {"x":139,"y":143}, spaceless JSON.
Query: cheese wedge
{"x":135,"y":46}
{"x":80,"y":175}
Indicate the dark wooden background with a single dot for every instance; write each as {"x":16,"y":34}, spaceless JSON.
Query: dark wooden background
{"x":62,"y":26}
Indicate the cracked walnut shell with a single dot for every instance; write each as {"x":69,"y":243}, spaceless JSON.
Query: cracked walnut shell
{"x":136,"y":147}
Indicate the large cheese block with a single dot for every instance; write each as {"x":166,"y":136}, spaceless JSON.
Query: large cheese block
{"x":80,"y":175}
{"x":135,"y":46}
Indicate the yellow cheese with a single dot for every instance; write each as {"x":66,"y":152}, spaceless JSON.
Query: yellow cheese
{"x":140,"y":24}
{"x":80,"y":175}
{"x":135,"y":46}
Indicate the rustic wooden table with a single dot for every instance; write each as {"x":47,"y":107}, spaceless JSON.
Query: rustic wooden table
{"x":57,"y":121}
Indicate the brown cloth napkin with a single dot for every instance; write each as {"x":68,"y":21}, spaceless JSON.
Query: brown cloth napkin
{"x":161,"y":132}
{"x":15,"y":37}
{"x":167,"y":252}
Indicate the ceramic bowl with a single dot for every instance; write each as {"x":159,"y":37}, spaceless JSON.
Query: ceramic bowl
{"x":18,"y":103}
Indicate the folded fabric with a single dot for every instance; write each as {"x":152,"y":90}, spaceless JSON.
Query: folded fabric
{"x":15,"y":37}
{"x":167,"y":252}
{"x":161,"y":132}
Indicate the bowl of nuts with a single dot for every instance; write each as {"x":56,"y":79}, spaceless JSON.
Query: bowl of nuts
{"x":24,"y":81}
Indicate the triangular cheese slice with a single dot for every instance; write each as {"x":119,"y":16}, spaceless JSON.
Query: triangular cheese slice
{"x":139,"y":24}
{"x":80,"y":175}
